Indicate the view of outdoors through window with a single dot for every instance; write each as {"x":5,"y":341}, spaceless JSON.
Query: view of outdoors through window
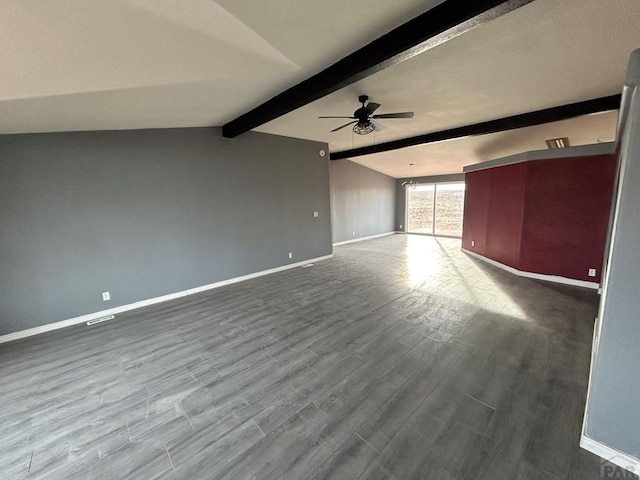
{"x":420,"y":208}
{"x":436,"y":209}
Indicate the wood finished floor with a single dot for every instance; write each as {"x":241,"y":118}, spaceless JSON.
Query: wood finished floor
{"x":401,"y":358}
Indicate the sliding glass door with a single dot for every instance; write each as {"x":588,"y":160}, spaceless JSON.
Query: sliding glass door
{"x":420,"y":205}
{"x":436,"y":209}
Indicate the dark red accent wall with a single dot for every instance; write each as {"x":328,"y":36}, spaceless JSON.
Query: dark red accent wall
{"x":543,"y":216}
{"x":494,"y":208}
{"x":477,"y":196}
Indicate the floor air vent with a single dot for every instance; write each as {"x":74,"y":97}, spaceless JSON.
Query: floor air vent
{"x":100,"y":320}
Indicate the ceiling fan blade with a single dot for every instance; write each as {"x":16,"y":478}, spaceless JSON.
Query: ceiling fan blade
{"x":395,"y":115}
{"x":371,"y":107}
{"x":378,"y":126}
{"x":345,"y":125}
{"x":337,"y":117}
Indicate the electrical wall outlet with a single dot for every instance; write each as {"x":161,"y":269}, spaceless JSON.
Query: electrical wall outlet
{"x":106,"y":296}
{"x":315,"y":214}
{"x":290,"y":254}
{"x":400,"y":228}
{"x":592,"y":272}
{"x":473,"y":243}
{"x":354,"y":233}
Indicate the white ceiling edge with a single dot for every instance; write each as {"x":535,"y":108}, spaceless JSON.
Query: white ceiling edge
{"x":589,"y":150}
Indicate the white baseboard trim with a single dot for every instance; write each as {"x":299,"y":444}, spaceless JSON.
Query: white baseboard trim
{"x":611,"y":455}
{"x":360,"y":239}
{"x":535,"y":276}
{"x":151,"y":301}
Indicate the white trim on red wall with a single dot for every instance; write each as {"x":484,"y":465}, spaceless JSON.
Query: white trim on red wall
{"x":535,"y":276}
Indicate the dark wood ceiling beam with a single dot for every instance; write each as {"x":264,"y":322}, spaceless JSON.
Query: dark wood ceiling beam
{"x":539,"y":117}
{"x":438,"y":25}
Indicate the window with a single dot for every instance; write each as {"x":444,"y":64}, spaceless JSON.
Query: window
{"x":436,"y":209}
{"x":420,"y":208}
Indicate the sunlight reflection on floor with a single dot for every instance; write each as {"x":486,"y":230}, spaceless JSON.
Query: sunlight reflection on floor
{"x":424,"y":259}
{"x":431,"y":262}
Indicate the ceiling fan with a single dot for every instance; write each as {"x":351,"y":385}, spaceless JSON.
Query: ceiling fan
{"x":365,"y":120}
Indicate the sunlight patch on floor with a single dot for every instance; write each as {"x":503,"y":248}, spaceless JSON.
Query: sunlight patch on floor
{"x":429,"y":263}
{"x":424,"y":260}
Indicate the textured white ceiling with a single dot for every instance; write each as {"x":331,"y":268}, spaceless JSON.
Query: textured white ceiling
{"x":314,"y":33}
{"x":117,"y":64}
{"x":450,"y":156}
{"x":544,"y":54}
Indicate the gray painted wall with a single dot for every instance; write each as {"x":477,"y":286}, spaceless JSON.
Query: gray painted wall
{"x":146,"y":213}
{"x":401,"y":194}
{"x":614,"y":397}
{"x":362,"y":201}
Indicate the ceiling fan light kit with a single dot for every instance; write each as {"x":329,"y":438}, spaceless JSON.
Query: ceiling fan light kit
{"x":363,"y":128}
{"x":363,"y":119}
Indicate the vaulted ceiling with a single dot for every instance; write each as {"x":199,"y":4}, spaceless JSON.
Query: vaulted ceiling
{"x":77,"y":65}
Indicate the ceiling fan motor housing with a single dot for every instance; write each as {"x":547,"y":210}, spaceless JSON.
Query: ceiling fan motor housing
{"x":364,"y":117}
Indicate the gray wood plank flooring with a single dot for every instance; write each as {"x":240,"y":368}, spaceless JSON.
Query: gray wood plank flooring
{"x":401,"y":358}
